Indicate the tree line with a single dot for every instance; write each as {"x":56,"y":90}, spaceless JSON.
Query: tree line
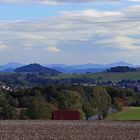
{"x":121,"y":69}
{"x":40,"y":102}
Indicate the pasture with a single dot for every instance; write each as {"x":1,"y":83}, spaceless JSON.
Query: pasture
{"x":103,"y":76}
{"x":128,"y":113}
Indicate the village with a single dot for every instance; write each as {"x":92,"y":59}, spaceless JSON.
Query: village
{"x":123,"y":84}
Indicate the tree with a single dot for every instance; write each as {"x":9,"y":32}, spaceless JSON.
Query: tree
{"x":68,"y":99}
{"x":39,"y":109}
{"x":102,"y":101}
{"x":88,"y":110}
{"x":23,"y":114}
{"x":117,"y":104}
{"x":8,"y":112}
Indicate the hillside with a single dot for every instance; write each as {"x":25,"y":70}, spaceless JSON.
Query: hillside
{"x":33,"y":68}
{"x":103,"y":76}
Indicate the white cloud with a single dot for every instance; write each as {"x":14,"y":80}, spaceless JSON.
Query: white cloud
{"x":91,"y":13}
{"x":121,"y":42}
{"x":48,"y":2}
{"x":92,"y":27}
{"x":53,"y":2}
{"x":52,"y":49}
{"x":3,"y":46}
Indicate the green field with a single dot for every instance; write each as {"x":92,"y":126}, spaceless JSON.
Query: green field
{"x":127,"y":114}
{"x":102,"y":76}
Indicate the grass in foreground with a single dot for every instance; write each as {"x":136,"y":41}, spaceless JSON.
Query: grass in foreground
{"x":127,"y":114}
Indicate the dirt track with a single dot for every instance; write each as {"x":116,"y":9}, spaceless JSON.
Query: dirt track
{"x":69,"y":130}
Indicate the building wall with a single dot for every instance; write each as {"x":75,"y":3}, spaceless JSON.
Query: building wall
{"x":66,"y":115}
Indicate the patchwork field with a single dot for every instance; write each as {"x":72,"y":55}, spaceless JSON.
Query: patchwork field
{"x":102,"y":76}
{"x":128,"y":113}
{"x":69,"y":130}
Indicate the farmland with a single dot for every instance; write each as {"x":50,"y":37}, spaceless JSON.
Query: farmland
{"x":103,"y":76}
{"x":69,"y":130}
{"x":29,"y":80}
{"x":130,"y":113}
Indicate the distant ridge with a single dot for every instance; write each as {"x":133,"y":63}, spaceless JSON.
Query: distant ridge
{"x":89,"y":67}
{"x":81,"y":68}
{"x":121,"y":63}
{"x":36,"y":68}
{"x":9,"y":67}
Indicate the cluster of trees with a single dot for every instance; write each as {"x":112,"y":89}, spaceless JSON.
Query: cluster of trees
{"x":39,"y":103}
{"x":40,"y":79}
{"x":121,"y":69}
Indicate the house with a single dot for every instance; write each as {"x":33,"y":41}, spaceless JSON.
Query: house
{"x":66,"y":115}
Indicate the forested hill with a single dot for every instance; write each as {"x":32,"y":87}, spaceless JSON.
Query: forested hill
{"x":36,"y":68}
{"x":121,"y":69}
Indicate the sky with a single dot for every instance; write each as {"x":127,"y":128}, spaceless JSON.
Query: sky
{"x":69,"y":31}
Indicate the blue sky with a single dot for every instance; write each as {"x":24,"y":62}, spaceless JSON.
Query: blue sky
{"x":60,"y":31}
{"x":39,"y":11}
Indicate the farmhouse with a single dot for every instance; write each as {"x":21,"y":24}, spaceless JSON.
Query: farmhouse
{"x":66,"y":115}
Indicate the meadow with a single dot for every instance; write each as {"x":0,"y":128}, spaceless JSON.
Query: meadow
{"x":127,"y":114}
{"x":103,"y":76}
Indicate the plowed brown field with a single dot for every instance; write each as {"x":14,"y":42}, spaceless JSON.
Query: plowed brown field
{"x":69,"y":130}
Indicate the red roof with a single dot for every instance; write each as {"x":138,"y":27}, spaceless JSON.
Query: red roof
{"x":66,"y":115}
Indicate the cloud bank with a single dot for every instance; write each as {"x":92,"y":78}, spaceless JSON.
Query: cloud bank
{"x":118,"y":29}
{"x":53,"y":2}
{"x":92,"y":30}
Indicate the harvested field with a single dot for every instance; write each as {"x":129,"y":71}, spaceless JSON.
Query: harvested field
{"x":69,"y":130}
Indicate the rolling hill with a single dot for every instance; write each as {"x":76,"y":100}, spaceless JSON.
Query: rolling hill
{"x":33,"y":68}
{"x":89,"y":67}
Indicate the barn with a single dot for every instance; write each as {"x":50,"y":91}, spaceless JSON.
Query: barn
{"x":66,"y":115}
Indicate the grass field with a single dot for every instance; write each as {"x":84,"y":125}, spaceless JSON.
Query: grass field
{"x":69,"y":130}
{"x":102,"y":76}
{"x":129,"y":113}
{"x":21,"y":78}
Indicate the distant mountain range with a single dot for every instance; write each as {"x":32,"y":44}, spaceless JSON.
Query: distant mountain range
{"x":92,"y":68}
{"x":9,"y":67}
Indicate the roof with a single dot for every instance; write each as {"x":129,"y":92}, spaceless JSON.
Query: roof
{"x":66,"y":115}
